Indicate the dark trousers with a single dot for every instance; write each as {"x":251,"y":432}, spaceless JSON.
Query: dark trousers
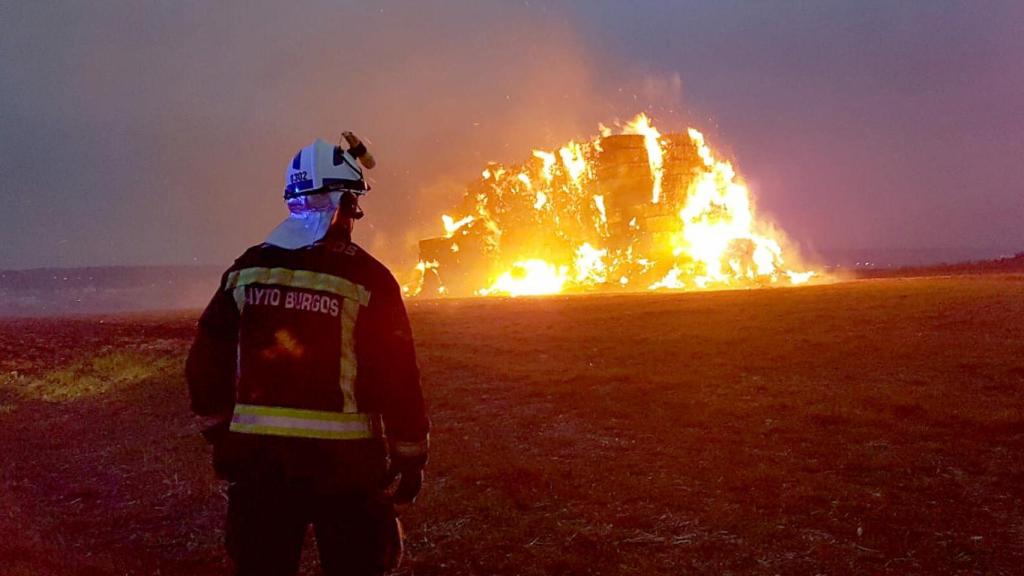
{"x":357,"y":534}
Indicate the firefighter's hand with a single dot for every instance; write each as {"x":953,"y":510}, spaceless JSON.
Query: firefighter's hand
{"x":409,"y":485}
{"x":215,"y":428}
{"x":407,"y":463}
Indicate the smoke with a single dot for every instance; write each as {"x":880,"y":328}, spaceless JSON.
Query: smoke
{"x":456,"y":93}
{"x":174,"y":121}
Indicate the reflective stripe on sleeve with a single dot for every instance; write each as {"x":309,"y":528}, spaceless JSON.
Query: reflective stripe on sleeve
{"x":299,"y":423}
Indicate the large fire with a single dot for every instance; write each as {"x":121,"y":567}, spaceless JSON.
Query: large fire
{"x":628,"y":211}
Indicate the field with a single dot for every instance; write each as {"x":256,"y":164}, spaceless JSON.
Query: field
{"x":868,"y":427}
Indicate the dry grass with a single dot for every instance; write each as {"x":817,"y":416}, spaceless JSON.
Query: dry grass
{"x":870,"y":426}
{"x":101,"y":374}
{"x":867,"y":427}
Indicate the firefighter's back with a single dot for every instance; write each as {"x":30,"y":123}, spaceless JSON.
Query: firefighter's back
{"x":298,"y":365}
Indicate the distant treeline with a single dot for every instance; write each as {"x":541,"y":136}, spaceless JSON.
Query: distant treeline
{"x":102,"y":276}
{"x":1008,"y":265}
{"x":105,"y":289}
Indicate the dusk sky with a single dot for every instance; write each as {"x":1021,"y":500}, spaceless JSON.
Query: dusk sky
{"x":158,"y":132}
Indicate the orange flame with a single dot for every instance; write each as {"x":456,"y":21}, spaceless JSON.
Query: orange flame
{"x":642,"y":125}
{"x":627,"y":211}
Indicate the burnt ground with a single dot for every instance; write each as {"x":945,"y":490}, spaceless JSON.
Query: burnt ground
{"x":869,"y":427}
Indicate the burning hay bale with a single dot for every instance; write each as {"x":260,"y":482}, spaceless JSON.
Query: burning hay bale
{"x":629,"y":211}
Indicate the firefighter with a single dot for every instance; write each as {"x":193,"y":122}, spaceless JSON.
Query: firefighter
{"x":305,"y":364}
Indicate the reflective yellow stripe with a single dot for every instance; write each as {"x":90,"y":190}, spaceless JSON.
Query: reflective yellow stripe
{"x":299,"y":279}
{"x":347,"y":369}
{"x":296,"y":422}
{"x":300,"y":432}
{"x":239,"y":295}
{"x":300,"y":413}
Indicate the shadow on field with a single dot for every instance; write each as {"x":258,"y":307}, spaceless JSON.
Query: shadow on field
{"x":867,"y":427}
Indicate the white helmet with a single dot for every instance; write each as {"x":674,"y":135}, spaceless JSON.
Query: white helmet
{"x":319,"y":179}
{"x":320,"y":168}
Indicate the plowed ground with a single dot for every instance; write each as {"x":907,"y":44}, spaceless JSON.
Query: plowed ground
{"x":865,"y":427}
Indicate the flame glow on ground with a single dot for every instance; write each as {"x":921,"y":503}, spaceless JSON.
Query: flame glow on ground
{"x":629,"y":210}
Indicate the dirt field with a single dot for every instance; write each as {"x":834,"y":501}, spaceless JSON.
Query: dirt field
{"x":871,"y":427}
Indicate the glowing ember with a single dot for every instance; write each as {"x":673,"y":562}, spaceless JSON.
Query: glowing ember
{"x":528,"y":278}
{"x":590,"y":268}
{"x":624,"y":211}
{"x":451,"y":225}
{"x":800,"y":277}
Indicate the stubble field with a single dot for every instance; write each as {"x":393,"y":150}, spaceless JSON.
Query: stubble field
{"x":871,"y":427}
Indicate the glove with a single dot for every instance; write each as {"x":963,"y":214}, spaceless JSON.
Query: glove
{"x":215,"y":428}
{"x":407,"y":465}
{"x":409,"y":486}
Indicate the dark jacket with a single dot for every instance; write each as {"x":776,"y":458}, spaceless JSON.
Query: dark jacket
{"x":295,"y":341}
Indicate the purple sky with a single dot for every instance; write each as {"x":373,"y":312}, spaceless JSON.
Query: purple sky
{"x":145,"y":132}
